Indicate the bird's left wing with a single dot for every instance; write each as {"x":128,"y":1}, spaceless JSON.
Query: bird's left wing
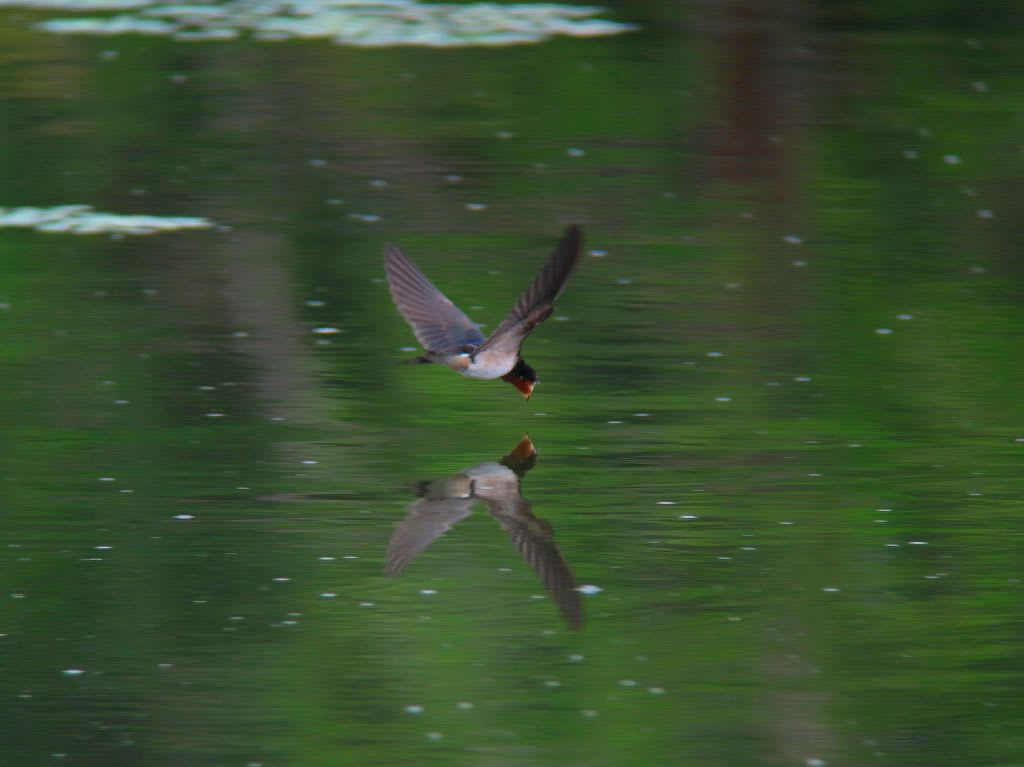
{"x":427,"y":521}
{"x":439,"y":325}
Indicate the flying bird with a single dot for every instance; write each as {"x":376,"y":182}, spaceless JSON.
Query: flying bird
{"x":451,"y":338}
{"x":444,"y":502}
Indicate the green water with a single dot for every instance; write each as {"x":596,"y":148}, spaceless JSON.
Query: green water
{"x":780,"y":425}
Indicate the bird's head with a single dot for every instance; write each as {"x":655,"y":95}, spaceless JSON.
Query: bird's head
{"x":523,"y":377}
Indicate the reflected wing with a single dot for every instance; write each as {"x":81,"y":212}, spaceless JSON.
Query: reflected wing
{"x":439,"y":325}
{"x":427,"y":521}
{"x":534,"y":539}
{"x":537,"y":303}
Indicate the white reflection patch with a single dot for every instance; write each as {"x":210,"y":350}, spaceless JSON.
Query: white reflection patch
{"x":345,"y":22}
{"x":82,"y":219}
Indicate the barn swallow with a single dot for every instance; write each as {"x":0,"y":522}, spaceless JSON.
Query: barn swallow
{"x":451,"y":338}
{"x":444,"y":502}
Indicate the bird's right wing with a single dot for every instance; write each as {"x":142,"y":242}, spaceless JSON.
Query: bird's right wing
{"x":439,"y":325}
{"x":535,"y":541}
{"x":538,"y":301}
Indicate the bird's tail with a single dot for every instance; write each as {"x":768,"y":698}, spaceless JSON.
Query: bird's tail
{"x":416,"y":361}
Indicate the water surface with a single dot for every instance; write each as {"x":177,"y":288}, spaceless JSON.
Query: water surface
{"x":779,"y":429}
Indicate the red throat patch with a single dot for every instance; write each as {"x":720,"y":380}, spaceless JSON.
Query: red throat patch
{"x":525,"y":387}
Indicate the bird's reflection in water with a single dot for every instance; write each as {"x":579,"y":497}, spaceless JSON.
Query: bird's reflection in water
{"x":444,"y":502}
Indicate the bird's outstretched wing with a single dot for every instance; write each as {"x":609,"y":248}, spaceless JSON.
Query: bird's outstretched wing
{"x":537,"y":303}
{"x":428,"y":520}
{"x":535,"y":541}
{"x":439,"y":325}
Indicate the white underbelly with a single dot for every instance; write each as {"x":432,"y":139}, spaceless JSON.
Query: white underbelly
{"x":488,"y":366}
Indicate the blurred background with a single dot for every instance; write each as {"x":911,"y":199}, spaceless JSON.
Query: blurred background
{"x":779,"y":425}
